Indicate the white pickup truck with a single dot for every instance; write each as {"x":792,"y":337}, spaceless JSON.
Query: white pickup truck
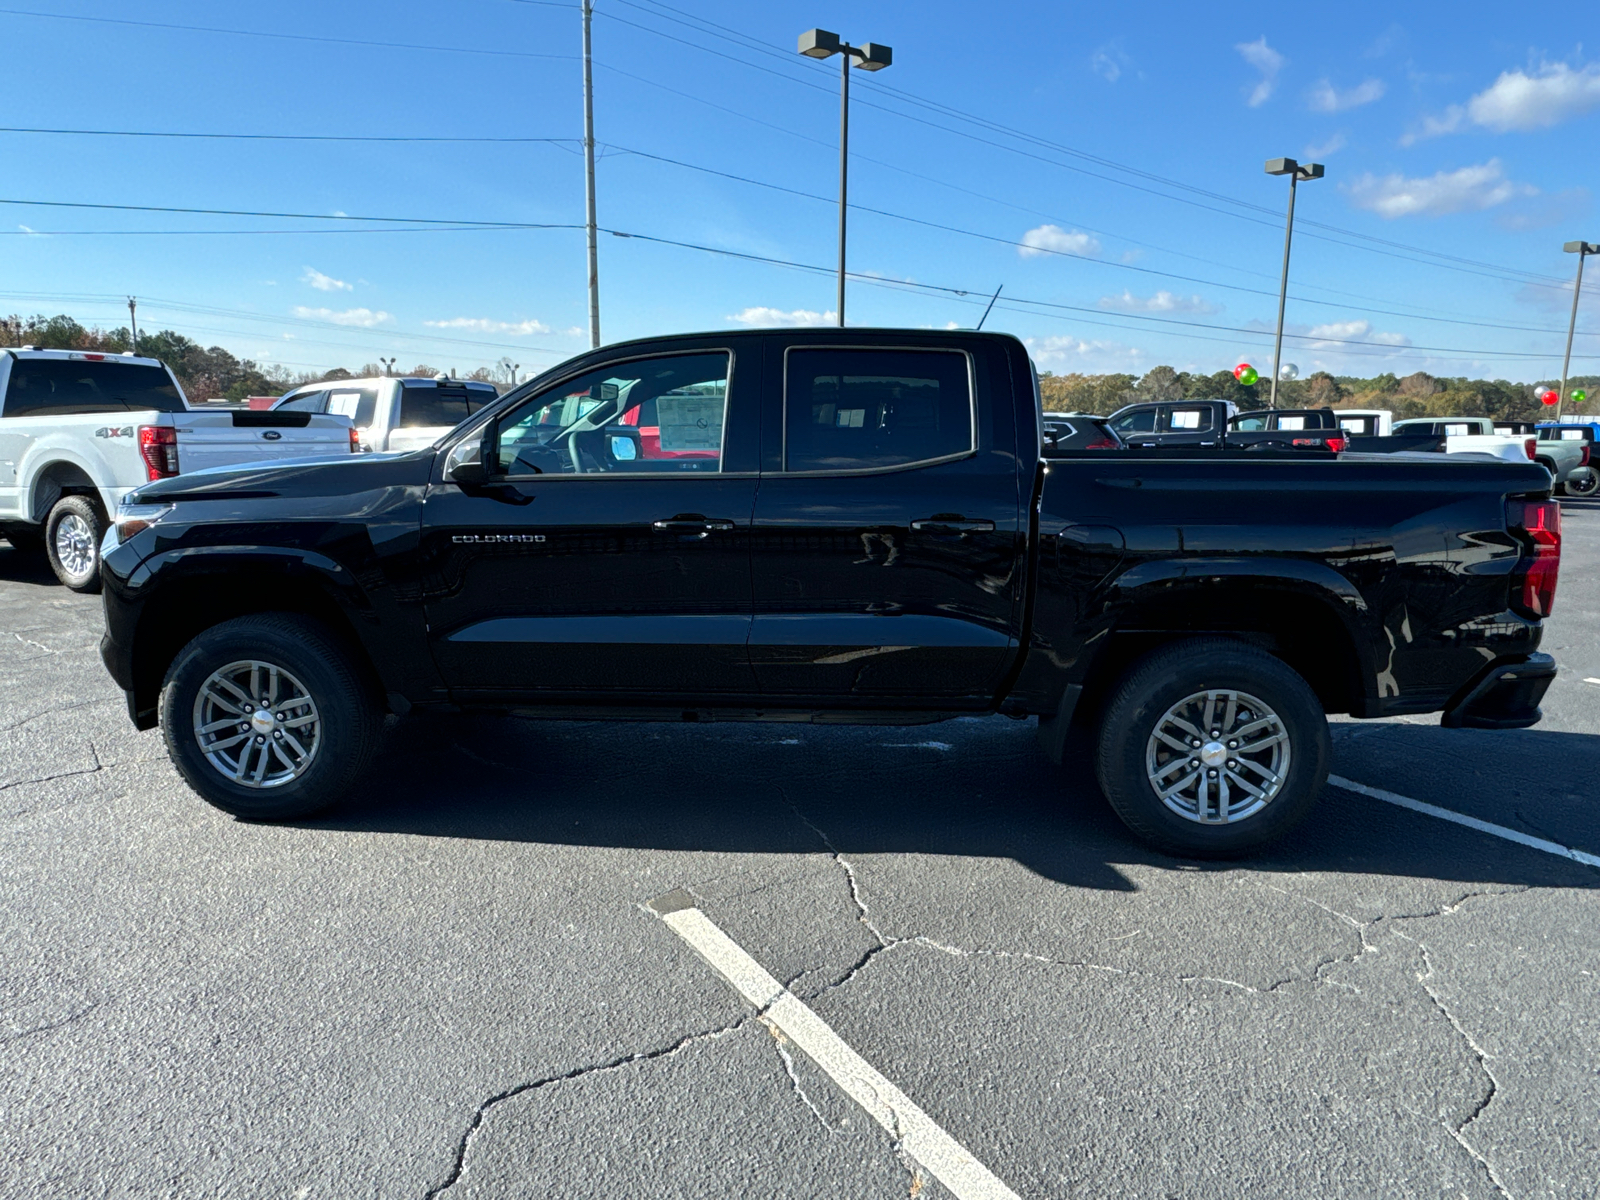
{"x":78,"y":431}
{"x":1472,"y":435}
{"x":394,"y":414}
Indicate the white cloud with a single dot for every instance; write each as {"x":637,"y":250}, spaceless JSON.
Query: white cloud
{"x":1327,"y":98}
{"x":365,"y":318}
{"x":1330,"y":336}
{"x":31,"y":232}
{"x":768,"y":317}
{"x":1552,"y":95}
{"x":1161,"y":302}
{"x":1468,"y":189}
{"x":1323,"y":149}
{"x":1518,"y":101}
{"x":484,"y":325}
{"x":325,"y":283}
{"x":1077,"y":354}
{"x":1109,"y":61}
{"x":1266,"y":60}
{"x":1052,"y":239}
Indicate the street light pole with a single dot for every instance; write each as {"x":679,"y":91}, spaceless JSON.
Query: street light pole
{"x":819,"y":43}
{"x":1582,"y":250}
{"x":1296,"y":172}
{"x":133,"y":324}
{"x":588,"y":176}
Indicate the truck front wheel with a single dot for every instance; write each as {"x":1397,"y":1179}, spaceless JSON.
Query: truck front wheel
{"x":1211,"y":747}
{"x":72,"y":534}
{"x":268,"y":717}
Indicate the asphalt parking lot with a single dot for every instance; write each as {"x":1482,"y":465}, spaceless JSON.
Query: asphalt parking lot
{"x":454,"y":984}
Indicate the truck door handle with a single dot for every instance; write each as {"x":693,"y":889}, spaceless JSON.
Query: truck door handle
{"x":692,"y":523}
{"x":951,"y":523}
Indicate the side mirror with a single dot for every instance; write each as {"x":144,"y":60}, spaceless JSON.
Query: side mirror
{"x":465,"y":466}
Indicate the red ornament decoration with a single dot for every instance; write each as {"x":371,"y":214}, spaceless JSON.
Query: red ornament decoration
{"x":1245,"y":374}
{"x":1550,"y":397}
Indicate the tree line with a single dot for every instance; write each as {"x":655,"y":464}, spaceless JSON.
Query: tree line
{"x":205,"y":373}
{"x":1415,"y":395}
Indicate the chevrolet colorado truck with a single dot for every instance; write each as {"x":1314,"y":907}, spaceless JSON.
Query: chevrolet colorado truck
{"x":80,"y":430}
{"x":872,"y":532}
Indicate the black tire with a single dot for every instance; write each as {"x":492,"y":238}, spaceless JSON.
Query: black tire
{"x":1583,"y":482}
{"x":72,"y":534}
{"x":1162,"y":679}
{"x":304,"y":649}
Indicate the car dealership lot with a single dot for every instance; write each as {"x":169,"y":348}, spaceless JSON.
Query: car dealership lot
{"x":454,"y":982}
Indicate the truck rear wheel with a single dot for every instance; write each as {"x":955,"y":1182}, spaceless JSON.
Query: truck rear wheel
{"x":1211,"y":747}
{"x":72,"y":534}
{"x":1585,"y":481}
{"x":268,"y":717}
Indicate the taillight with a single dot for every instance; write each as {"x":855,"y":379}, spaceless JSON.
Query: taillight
{"x":1530,"y":446}
{"x":158,"y":445}
{"x":1102,"y":444}
{"x":1336,"y":444}
{"x":1586,"y":448}
{"x":355,"y":441}
{"x":1534,"y":584}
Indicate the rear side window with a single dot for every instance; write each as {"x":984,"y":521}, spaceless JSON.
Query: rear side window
{"x":1291,"y":422}
{"x":358,"y":404}
{"x":311,"y":402}
{"x":1189,"y":420}
{"x":851,"y":410}
{"x":1356,"y":425}
{"x":1454,"y":430}
{"x":61,"y":387}
{"x":443,"y":406}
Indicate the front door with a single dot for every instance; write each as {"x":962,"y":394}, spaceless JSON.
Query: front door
{"x":586,"y":572}
{"x":888,"y":540}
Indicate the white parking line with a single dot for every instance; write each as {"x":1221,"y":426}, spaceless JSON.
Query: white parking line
{"x":915,"y":1132}
{"x":1445,"y":814}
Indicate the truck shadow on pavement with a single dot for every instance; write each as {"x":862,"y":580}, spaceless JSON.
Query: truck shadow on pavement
{"x":974,"y":788}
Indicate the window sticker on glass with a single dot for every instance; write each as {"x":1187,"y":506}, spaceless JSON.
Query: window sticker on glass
{"x":1572,"y":435}
{"x":690,"y":422}
{"x":343,"y":404}
{"x":1291,"y":422}
{"x":1455,"y":431}
{"x":1186,"y":419}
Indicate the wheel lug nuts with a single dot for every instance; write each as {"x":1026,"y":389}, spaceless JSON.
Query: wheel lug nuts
{"x":1212,"y":774}
{"x":261,"y":741}
{"x":1232,"y":766}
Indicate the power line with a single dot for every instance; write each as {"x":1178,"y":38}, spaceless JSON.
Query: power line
{"x":885,"y":89}
{"x":277,"y":137}
{"x":289,"y":37}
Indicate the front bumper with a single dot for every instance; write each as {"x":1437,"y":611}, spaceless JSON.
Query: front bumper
{"x":1506,"y":697}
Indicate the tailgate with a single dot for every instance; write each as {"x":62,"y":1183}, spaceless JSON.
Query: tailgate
{"x":228,"y":438}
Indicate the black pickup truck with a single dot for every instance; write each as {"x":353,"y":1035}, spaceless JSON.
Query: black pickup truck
{"x":844,"y":526}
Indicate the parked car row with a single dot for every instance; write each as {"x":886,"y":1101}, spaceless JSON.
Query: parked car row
{"x":1562,"y":449}
{"x":836,"y":526}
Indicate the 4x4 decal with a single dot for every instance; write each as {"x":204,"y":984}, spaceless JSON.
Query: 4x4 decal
{"x":114,"y":431}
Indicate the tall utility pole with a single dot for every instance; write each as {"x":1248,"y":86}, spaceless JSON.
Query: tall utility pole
{"x":133,"y":324}
{"x":1296,"y":172}
{"x":588,"y":178}
{"x":1582,"y":250}
{"x":819,"y":43}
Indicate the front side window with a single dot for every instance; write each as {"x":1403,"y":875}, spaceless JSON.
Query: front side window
{"x":1250,"y":424}
{"x":1137,"y":422}
{"x":60,"y":387}
{"x":852,"y":410}
{"x":311,"y":402}
{"x":658,"y":416}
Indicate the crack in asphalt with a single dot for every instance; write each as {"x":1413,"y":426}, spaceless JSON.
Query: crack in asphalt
{"x":469,"y":1136}
{"x":51,"y":1025}
{"x":1482,"y":1057}
{"x":780,"y":1044}
{"x":52,"y":711}
{"x":98,"y":766}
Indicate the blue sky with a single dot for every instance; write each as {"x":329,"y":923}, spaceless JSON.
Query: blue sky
{"x":1101,"y":164}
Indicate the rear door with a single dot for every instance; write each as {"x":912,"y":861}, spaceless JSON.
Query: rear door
{"x":1187,"y":425}
{"x":889,"y":535}
{"x":585,"y":572}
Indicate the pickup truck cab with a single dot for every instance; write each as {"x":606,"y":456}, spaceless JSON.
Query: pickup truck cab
{"x":873,"y":533}
{"x":393,"y":414}
{"x":1471,"y":435}
{"x":80,"y":430}
{"x":1218,"y":423}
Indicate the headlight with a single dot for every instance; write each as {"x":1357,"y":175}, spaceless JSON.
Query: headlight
{"x":136,"y":518}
